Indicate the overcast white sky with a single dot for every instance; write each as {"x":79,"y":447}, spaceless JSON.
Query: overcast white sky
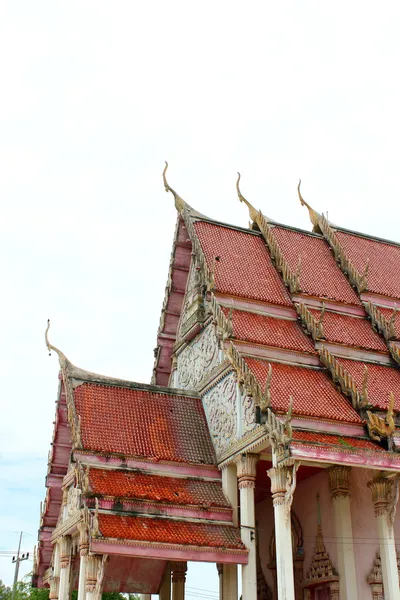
{"x":94,"y":97}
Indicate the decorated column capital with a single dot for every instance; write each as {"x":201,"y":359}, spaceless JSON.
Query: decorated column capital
{"x":178,"y":570}
{"x":54,"y":588}
{"x":339,"y":481}
{"x":283,"y":484}
{"x":247,"y":470}
{"x":381,"y":489}
{"x":95,"y":573}
{"x":83,"y":539}
{"x":65,"y":551}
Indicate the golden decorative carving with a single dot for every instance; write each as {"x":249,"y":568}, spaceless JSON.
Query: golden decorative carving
{"x":252,"y":211}
{"x":283,"y":484}
{"x":314,"y":216}
{"x":95,"y":520}
{"x":291,"y":279}
{"x":223,"y":324}
{"x":247,"y":470}
{"x":339,"y":481}
{"x":179,"y":202}
{"x":382,"y":428}
{"x":343,"y":378}
{"x":380,"y":323}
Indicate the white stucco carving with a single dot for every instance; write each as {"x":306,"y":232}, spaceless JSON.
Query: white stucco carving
{"x":248,"y":413}
{"x":197,"y":359}
{"x":220,"y":406}
{"x":74,"y":501}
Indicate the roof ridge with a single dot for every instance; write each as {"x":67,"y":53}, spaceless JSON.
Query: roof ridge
{"x":365,"y":235}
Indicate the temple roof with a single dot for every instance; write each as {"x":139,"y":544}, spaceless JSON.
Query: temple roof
{"x":134,"y":422}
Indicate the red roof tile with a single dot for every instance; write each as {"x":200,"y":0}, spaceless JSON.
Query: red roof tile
{"x":270,"y":331}
{"x":381,"y":381}
{"x":388,"y":313}
{"x":141,"y":423}
{"x":351,"y":331}
{"x":314,"y":394}
{"x":335,"y":440}
{"x":383,"y":258}
{"x":244,"y":268}
{"x":131,"y":484}
{"x":319,"y":274}
{"x":168,"y":531}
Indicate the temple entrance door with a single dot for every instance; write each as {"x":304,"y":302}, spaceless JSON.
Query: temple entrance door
{"x":298,"y":559}
{"x":323,"y":594}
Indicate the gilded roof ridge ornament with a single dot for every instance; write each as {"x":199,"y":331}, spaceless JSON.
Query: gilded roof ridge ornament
{"x":61,"y":356}
{"x":252,"y":211}
{"x":314,"y":216}
{"x":179,"y":202}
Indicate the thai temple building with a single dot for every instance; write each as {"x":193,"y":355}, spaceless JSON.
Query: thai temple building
{"x":268,"y":440}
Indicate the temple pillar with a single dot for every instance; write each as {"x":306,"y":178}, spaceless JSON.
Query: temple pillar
{"x":65,"y":567}
{"x":340,"y":492}
{"x":95,"y":569}
{"x":55,"y":580}
{"x":283,"y":483}
{"x":83,"y":553}
{"x":384,"y":500}
{"x":179,"y":570}
{"x":165,"y":589}
{"x":229,"y":573}
{"x":246,"y":472}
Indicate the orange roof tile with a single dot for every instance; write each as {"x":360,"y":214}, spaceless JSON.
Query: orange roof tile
{"x":314,"y":394}
{"x":383,"y":259}
{"x":348,"y":330}
{"x":270,"y":331}
{"x":244,"y":268}
{"x":381,"y":381}
{"x":319,"y":274}
{"x":335,"y":440}
{"x":176,"y":490}
{"x":168,"y":531}
{"x":138,"y":422}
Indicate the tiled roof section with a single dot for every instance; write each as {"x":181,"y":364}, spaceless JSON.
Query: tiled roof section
{"x":381,"y":381}
{"x":335,"y":440}
{"x":383,"y":258}
{"x":175,"y":490}
{"x":141,"y":423}
{"x":314,"y":394}
{"x":244,"y":267}
{"x":388,"y":313}
{"x":350,"y":331}
{"x":270,"y":331}
{"x":168,"y":531}
{"x":319,"y":274}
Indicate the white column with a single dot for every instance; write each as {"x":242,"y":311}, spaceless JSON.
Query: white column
{"x":65,"y":567}
{"x":384,"y":507}
{"x":340,"y":492}
{"x":179,"y":570}
{"x":165,"y":590}
{"x":83,"y":553}
{"x":55,"y":580}
{"x":246,"y":472}
{"x":95,"y":571}
{"x":283,"y":483}
{"x":229,"y":575}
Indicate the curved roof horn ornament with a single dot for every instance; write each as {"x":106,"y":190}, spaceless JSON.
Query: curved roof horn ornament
{"x":61,"y":356}
{"x":252,"y":211}
{"x":314,"y":216}
{"x":179,"y":202}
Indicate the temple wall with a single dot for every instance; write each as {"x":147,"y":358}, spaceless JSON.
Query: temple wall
{"x":305,"y":508}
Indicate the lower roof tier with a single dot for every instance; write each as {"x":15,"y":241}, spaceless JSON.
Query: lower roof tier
{"x":156,"y":488}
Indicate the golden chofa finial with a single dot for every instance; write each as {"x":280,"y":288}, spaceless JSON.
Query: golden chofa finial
{"x":61,"y":356}
{"x":314,"y":216}
{"x":252,"y":211}
{"x":179,"y":202}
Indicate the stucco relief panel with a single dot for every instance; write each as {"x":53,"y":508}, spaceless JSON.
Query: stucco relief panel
{"x":220,"y":406}
{"x":197,"y":359}
{"x":248,"y":415}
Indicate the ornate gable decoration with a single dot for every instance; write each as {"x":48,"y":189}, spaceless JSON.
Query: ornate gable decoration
{"x":321,"y":568}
